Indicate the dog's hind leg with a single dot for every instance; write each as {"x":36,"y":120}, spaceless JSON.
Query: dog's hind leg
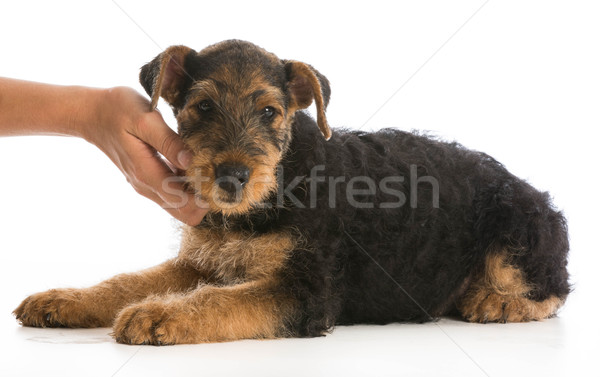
{"x":523,"y":245}
{"x":501,"y":293}
{"x":97,"y":306}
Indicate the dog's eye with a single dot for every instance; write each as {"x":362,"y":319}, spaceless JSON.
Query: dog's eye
{"x":205,"y":106}
{"x":268,"y":112}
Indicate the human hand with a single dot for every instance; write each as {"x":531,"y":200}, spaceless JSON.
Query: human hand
{"x":132,"y":136}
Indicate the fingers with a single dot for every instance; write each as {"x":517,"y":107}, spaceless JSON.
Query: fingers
{"x":173,"y":198}
{"x":154,"y":179}
{"x":130,"y":135}
{"x":155,"y":132}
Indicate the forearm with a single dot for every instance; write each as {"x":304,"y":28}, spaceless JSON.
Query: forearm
{"x":28,"y":108}
{"x":119,"y":121}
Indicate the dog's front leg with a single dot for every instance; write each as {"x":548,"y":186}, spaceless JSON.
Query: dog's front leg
{"x":97,"y":306}
{"x":208,"y":314}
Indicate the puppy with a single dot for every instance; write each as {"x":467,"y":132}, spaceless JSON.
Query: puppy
{"x":310,"y":228}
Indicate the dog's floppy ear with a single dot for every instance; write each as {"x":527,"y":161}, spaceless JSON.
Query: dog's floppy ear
{"x":165,"y":76}
{"x":305,"y":84}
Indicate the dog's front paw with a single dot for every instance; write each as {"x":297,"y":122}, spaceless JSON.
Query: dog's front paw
{"x":56,"y":308}
{"x":153,"y":322}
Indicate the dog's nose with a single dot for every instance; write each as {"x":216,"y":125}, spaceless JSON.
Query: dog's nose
{"x":230,"y":175}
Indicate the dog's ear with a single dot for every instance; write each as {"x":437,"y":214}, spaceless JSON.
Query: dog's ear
{"x":165,"y":76}
{"x":305,"y":84}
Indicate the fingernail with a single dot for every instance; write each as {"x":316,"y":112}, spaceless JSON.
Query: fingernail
{"x":185,"y":158}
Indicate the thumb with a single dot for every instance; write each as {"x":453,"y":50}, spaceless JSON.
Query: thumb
{"x":154,"y":131}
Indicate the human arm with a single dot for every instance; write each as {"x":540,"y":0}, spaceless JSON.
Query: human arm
{"x":116,"y":120}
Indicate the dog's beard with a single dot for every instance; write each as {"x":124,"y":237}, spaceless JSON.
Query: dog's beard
{"x":228,"y":199}
{"x":244,"y":199}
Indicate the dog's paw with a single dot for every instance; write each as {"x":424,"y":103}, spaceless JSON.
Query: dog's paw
{"x":490,"y":309}
{"x":56,"y":308}
{"x":500,"y":308}
{"x":152,"y":322}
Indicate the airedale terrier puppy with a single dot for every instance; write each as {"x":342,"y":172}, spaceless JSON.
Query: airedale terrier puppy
{"x":310,"y":228}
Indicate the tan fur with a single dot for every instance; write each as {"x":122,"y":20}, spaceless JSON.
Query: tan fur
{"x":499,"y":294}
{"x":305,"y":86}
{"x":209,"y":314}
{"x":240,"y":302}
{"x":235,"y":256}
{"x":97,"y":306}
{"x":261,"y":183}
{"x":221,"y":287}
{"x":171,"y":68}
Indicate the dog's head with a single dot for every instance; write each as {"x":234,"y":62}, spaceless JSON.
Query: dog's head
{"x":234,"y":103}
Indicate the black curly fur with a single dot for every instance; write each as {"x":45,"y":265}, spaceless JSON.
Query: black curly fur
{"x":341,"y":277}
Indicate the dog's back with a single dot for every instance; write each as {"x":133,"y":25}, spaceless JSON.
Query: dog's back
{"x":406,"y":227}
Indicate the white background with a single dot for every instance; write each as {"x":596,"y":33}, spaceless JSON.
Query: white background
{"x":518,"y":79}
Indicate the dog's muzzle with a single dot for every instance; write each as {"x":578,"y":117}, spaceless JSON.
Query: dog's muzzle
{"x":231,"y":177}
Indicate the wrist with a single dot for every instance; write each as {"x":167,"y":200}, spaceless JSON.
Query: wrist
{"x":88,"y":112}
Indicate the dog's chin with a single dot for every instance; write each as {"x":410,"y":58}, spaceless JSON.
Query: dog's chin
{"x":228,"y":200}
{"x":229,"y":204}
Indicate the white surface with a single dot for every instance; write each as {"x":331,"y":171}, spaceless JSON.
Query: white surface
{"x":519,"y":81}
{"x":445,"y":348}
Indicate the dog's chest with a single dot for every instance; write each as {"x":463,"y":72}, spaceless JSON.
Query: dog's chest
{"x":233,"y":256}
